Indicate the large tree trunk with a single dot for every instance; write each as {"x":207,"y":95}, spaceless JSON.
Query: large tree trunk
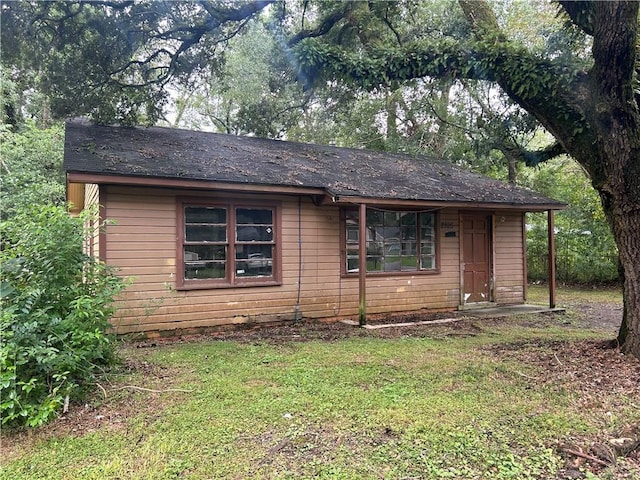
{"x":618,"y":147}
{"x":626,"y":229}
{"x":615,"y":118}
{"x":597,"y":121}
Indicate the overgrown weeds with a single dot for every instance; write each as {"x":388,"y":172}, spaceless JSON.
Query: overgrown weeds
{"x":55,"y":304}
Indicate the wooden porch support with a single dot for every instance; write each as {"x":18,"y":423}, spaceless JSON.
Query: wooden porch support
{"x":552,"y":258}
{"x":362,"y":264}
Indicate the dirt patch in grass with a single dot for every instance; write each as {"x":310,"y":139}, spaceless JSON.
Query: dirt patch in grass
{"x":310,"y":330}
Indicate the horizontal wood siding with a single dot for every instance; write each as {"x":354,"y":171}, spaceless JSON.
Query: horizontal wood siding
{"x":142,"y":243}
{"x":509,"y":259}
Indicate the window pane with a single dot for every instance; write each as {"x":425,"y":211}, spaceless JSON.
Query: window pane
{"x":392,"y":263}
{"x":205,"y":215}
{"x":352,"y":215}
{"x":375,"y":234}
{"x":391,"y":218}
{"x":352,"y":264}
{"x":391,"y":234}
{"x":254,"y":233}
{"x":391,"y":249}
{"x":205,"y":233}
{"x":205,"y":224}
{"x":254,"y":225}
{"x":408,"y":218}
{"x":427,"y":219}
{"x":353,"y":256}
{"x":426,"y":233}
{"x":374,"y":256}
{"x":374,"y":248}
{"x":374,"y":218}
{"x":195,"y":253}
{"x":251,"y":216}
{"x":428,"y":262}
{"x":408,"y":232}
{"x":353,"y":253}
{"x":254,"y":260}
{"x":409,"y":248}
{"x":409,"y":263}
{"x":352,"y":234}
{"x":375,"y":263}
{"x":427,"y":248}
{"x":204,"y":270}
{"x":204,"y":261}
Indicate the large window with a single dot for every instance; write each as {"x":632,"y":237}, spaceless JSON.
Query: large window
{"x":227,"y":244}
{"x":397,"y":241}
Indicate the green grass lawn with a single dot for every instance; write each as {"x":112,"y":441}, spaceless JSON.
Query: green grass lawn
{"x":570,"y":295}
{"x":425,"y":406}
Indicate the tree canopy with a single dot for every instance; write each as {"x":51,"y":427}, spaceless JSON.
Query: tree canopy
{"x":576,"y":74}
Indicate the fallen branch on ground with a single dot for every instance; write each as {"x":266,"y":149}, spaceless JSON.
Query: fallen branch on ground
{"x":525,"y":375}
{"x":557,"y":359}
{"x":104,"y":392}
{"x":143,"y":389}
{"x":586,"y":456}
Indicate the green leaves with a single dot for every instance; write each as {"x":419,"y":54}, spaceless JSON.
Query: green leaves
{"x":586,"y":251}
{"x":55,"y":308}
{"x":31,"y":167}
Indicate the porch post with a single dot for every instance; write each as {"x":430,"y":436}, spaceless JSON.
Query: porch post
{"x":362,"y":264}
{"x":552,"y":258}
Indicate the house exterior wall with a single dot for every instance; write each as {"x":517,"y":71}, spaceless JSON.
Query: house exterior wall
{"x":142,"y":245}
{"x":509,"y":258}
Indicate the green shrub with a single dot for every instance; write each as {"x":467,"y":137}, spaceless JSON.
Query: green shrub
{"x":56,"y":304}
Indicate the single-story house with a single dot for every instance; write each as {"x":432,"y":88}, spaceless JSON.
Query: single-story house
{"x":219,"y":229}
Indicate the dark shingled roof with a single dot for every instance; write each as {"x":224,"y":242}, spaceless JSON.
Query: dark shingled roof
{"x":167,"y":153}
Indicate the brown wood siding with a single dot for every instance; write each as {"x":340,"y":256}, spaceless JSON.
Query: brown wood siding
{"x":509,"y":258}
{"x":142,"y":243}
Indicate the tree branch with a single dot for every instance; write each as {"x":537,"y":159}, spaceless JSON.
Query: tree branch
{"x":559,"y":104}
{"x":534,"y":157}
{"x":388,"y":23}
{"x":554,"y":93}
{"x":324,"y":27}
{"x":248,"y":9}
{"x":121,"y":5}
{"x":581,"y":13}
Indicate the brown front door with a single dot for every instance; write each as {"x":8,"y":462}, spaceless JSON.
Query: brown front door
{"x":475,"y":257}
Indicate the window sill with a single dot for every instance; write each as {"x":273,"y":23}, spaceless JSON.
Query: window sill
{"x":391,"y":274}
{"x":217,"y":286}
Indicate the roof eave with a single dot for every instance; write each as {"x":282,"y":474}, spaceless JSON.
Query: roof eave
{"x":321,"y":195}
{"x":437,"y":204}
{"x":106,"y":179}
